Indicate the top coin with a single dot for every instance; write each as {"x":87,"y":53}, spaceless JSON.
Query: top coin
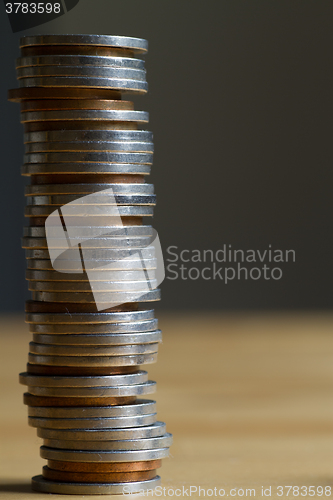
{"x":136,"y":44}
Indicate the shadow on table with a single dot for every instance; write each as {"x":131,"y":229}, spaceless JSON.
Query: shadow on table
{"x":17,"y":487}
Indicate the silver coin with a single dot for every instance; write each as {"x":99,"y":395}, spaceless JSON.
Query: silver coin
{"x":148,"y":387}
{"x":39,"y":231}
{"x":112,"y":339}
{"x":106,"y":299}
{"x":91,"y":254}
{"x":123,"y":211}
{"x":98,"y":328}
{"x":103,"y":456}
{"x":146,"y":158}
{"x":81,"y":71}
{"x":114,"y":287}
{"x":140,"y":407}
{"x":113,"y":242}
{"x":91,"y":423}
{"x":82,"y":82}
{"x":85,"y":168}
{"x":98,"y":199}
{"x":131,"y":147}
{"x":125,"y":275}
{"x":81,"y":60}
{"x":149,"y":431}
{"x":87,"y":361}
{"x":109,"y":265}
{"x":89,"y":318}
{"x":75,"y":382}
{"x":124,"y":445}
{"x":82,"y":189}
{"x":124,"y":42}
{"x":122,"y":136}
{"x":78,"y":350}
{"x":85,"y":114}
{"x":38,"y":483}
{"x":86,"y":339}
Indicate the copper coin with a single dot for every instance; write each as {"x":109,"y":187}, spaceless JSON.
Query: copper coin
{"x":30,"y":400}
{"x":47,"y":104}
{"x":32,"y":306}
{"x":104,"y":467}
{"x":87,"y":179}
{"x":79,"y":371}
{"x":90,"y":477}
{"x":32,"y":93}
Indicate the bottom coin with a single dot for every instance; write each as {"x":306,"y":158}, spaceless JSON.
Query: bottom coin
{"x":39,"y":483}
{"x":103,"y":467}
{"x":97,"y":477}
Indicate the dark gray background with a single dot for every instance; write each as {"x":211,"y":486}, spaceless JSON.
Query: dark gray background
{"x":240,"y":102}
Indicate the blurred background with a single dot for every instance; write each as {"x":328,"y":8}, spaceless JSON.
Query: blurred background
{"x":240,"y":103}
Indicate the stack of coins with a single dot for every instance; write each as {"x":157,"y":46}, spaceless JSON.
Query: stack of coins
{"x":92,"y":326}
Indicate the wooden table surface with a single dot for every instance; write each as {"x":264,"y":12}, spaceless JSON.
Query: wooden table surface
{"x":248,"y":399}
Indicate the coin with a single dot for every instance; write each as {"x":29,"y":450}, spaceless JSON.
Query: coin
{"x":84,"y":168}
{"x":138,"y":45}
{"x":90,"y":318}
{"x":118,"y":62}
{"x":32,"y":400}
{"x":92,"y":361}
{"x":78,"y":371}
{"x":148,"y":387}
{"x":87,"y":467}
{"x":38,"y":147}
{"x":80,"y":350}
{"x":83,"y":114}
{"x":98,"y":328}
{"x":119,"y":275}
{"x":70,"y":81}
{"x":70,"y":103}
{"x":99,"y":157}
{"x":39,"y":232}
{"x":98,"y":477}
{"x":139,"y":408}
{"x":38,"y":483}
{"x":92,"y":381}
{"x":99,"y":286}
{"x":103,"y":456}
{"x":91,"y":423}
{"x":147,"y":431}
{"x":17,"y":95}
{"x":38,"y":265}
{"x":107,"y":242}
{"x":105,"y":339}
{"x":82,"y":189}
{"x":124,"y":445}
{"x":81,"y":71}
{"x":93,"y":254}
{"x":123,"y":211}
{"x":32,"y":306}
{"x":121,"y":136}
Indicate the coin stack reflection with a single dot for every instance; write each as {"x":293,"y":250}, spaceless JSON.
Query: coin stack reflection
{"x":85,"y":368}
